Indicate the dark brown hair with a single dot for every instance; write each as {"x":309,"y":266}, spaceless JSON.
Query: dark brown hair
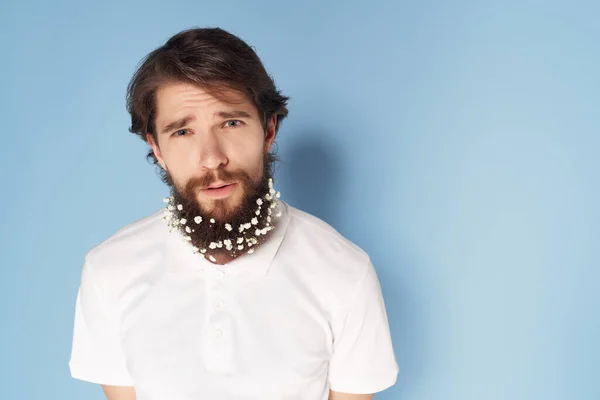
{"x":213,"y":59}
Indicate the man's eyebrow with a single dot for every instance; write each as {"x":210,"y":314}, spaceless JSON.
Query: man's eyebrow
{"x":233,"y":114}
{"x":178,"y":124}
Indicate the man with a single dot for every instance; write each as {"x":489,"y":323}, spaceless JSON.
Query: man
{"x":229,"y":292}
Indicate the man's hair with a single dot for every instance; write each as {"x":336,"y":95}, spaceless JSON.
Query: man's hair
{"x":211,"y":58}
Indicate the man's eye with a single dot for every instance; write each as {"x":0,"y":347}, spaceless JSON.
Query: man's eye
{"x":181,"y":132}
{"x":232,"y":123}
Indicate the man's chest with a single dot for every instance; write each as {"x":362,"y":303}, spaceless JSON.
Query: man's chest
{"x":223,"y":335}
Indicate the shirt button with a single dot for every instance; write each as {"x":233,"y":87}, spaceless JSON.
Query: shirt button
{"x":219,"y":304}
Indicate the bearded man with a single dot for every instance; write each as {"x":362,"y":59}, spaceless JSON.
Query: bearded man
{"x":228,"y":292}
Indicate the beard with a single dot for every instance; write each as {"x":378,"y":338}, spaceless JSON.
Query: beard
{"x":232,"y":229}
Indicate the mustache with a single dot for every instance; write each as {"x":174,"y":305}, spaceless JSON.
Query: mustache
{"x":222,"y":175}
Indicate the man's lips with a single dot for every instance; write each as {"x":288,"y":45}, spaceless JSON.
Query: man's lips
{"x":219,"y":190}
{"x":219,"y":185}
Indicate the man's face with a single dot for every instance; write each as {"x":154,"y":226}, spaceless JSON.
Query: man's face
{"x":205,"y":143}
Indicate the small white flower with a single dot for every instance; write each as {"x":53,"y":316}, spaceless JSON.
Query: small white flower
{"x":269,"y":211}
{"x":263,"y":231}
{"x":203,"y":251}
{"x":240,"y":240}
{"x":179,"y":207}
{"x":268,"y":197}
{"x":166,"y":199}
{"x":250,"y":251}
{"x":278,"y":195}
{"x":259,"y":202}
{"x":254,"y":221}
{"x":201,"y":255}
{"x":188,"y":238}
{"x":170,"y":208}
{"x":195,"y":249}
{"x":257,"y":212}
{"x":247,"y":225}
{"x":227,"y":242}
{"x":212,"y":245}
{"x":257,"y":232}
{"x":212,"y":220}
{"x":228,"y":227}
{"x":188,"y":229}
{"x":198,"y":219}
{"x":241,"y":247}
{"x":183,"y":221}
{"x":212,"y":258}
{"x":249,"y":244}
{"x":241,"y":228}
{"x":254,"y":241}
{"x":268,"y":219}
{"x":220,"y":244}
{"x":278,"y":214}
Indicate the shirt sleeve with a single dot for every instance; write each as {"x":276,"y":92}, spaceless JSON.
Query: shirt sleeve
{"x":363,"y":359}
{"x":96,"y":354}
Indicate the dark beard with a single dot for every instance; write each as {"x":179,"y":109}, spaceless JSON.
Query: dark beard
{"x":206,"y":232}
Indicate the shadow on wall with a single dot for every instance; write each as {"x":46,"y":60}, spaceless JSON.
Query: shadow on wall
{"x":312,"y":171}
{"x":313,"y":180}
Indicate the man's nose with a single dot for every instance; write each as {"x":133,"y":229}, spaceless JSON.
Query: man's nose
{"x":210,"y":152}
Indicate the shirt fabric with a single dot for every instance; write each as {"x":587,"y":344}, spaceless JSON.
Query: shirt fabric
{"x":302,"y":315}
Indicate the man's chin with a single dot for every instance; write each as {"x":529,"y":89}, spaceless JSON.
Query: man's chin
{"x":222,"y":209}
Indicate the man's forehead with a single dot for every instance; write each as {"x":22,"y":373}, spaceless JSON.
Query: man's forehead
{"x":175,"y":97}
{"x":183,"y":91}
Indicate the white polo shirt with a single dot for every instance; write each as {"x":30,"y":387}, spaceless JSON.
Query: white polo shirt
{"x":302,"y":315}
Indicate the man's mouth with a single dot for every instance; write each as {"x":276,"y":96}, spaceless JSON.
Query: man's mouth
{"x":219,"y":189}
{"x":219,"y":185}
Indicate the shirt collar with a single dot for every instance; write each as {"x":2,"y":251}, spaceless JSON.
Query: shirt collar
{"x":180,"y":258}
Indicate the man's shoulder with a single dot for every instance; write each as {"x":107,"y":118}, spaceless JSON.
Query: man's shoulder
{"x":318,"y":241}
{"x":133,"y":239}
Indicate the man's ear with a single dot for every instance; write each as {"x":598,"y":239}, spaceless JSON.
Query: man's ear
{"x":270,"y":132}
{"x":155,"y":150}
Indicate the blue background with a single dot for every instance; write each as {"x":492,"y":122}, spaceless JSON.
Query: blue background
{"x":456,"y":142}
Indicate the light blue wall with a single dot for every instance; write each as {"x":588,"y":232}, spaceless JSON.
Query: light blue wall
{"x":456,"y":142}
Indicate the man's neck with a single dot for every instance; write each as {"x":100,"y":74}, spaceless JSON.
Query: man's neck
{"x":222,"y":258}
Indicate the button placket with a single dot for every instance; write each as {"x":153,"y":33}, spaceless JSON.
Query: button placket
{"x":218,"y":345}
